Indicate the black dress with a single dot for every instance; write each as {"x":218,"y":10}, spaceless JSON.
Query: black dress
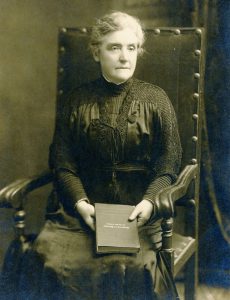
{"x":112,"y":144}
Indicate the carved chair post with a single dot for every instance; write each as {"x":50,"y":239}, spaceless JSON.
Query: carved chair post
{"x":19,"y":226}
{"x":167,"y":232}
{"x":15,"y":196}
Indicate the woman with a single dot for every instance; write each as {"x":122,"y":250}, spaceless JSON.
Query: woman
{"x":115,"y":142}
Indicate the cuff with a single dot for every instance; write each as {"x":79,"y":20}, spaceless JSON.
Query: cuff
{"x":150,"y":200}
{"x":80,"y":200}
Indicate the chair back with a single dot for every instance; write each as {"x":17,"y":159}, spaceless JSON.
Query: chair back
{"x":172,"y":60}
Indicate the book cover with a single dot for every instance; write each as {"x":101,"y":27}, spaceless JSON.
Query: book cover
{"x":114,"y":232}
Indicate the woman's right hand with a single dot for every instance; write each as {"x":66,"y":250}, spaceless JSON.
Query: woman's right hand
{"x":87,"y":212}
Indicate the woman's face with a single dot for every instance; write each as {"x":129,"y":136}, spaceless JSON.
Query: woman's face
{"x":117,"y":54}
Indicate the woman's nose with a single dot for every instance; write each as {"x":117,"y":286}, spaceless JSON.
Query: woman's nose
{"x":123,"y":55}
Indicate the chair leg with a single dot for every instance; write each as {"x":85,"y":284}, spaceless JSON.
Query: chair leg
{"x":190,"y":278}
{"x":167,"y":227}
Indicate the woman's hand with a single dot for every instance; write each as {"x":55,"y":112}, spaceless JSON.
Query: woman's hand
{"x":87,"y":211}
{"x":142,"y":212}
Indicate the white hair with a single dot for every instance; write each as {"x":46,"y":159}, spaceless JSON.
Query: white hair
{"x":116,"y":21}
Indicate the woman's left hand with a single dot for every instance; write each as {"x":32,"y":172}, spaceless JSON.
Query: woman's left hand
{"x":142,"y":212}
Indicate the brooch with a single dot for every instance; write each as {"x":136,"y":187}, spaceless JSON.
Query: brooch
{"x":132,"y":118}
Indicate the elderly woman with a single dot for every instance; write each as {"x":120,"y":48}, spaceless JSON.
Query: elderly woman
{"x":115,"y":142}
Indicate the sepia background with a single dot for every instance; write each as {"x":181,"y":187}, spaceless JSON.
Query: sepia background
{"x":28,"y":71}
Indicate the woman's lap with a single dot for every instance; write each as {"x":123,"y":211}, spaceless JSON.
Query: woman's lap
{"x":65,"y":263}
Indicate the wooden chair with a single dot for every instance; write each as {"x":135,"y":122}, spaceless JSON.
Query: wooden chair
{"x":173,"y":60}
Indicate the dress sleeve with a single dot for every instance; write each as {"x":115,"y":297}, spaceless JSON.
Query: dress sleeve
{"x":63,"y":161}
{"x":157,"y":185}
{"x":167,"y":163}
{"x":169,"y":154}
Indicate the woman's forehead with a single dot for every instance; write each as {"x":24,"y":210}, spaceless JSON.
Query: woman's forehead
{"x":124,"y":36}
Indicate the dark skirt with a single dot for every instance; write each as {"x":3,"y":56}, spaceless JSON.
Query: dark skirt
{"x":63,"y":264}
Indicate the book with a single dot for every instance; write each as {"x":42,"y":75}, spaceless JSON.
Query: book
{"x":114,"y":232}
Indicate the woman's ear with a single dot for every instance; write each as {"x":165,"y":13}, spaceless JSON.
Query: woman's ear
{"x":95,"y":52}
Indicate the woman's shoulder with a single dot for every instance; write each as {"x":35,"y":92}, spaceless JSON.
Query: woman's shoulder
{"x":147,"y":91}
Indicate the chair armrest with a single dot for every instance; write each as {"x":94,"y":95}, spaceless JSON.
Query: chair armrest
{"x":166,"y":198}
{"x":12,"y":195}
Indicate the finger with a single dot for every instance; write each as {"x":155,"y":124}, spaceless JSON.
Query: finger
{"x":92,"y":213}
{"x":90,"y":222}
{"x":134,"y":214}
{"x":92,"y":226}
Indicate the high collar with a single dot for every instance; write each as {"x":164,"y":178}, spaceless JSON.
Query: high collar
{"x":113,"y":88}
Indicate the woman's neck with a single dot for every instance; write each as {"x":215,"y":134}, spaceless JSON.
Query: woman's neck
{"x":110,"y":81}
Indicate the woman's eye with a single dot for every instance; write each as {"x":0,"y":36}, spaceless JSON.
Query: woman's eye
{"x":132,"y":48}
{"x":114,"y":48}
